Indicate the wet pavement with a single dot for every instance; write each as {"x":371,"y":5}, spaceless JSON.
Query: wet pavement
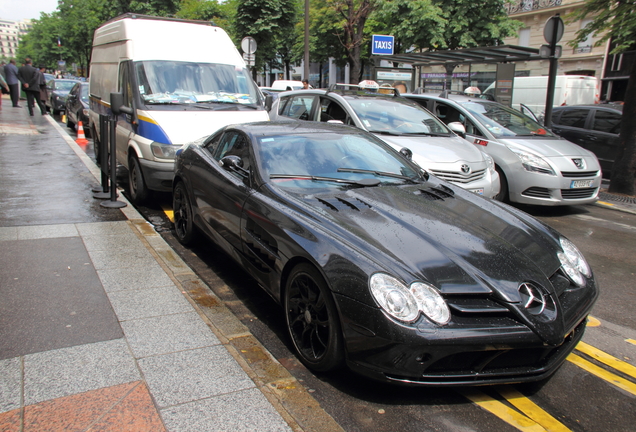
{"x":102,"y":325}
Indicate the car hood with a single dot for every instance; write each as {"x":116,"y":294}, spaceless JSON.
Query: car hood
{"x":433,"y":149}
{"x":547,"y":147}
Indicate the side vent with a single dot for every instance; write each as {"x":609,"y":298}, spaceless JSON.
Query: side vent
{"x":338,"y":204}
{"x":437,"y":193}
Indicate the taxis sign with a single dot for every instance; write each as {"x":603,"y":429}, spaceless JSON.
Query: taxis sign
{"x":382,"y":45}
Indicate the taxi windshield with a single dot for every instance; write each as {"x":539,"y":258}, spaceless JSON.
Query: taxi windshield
{"x":503,"y":121}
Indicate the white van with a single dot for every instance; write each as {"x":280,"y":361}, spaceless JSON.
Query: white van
{"x":180,"y":79}
{"x":532,"y":91}
{"x":287,"y":85}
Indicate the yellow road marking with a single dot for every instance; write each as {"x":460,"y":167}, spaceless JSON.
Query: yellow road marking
{"x":631,"y":341}
{"x":605,"y":203}
{"x":168,"y":211}
{"x":531,"y":409}
{"x":592,"y":322}
{"x":607,"y":359}
{"x":603,"y":374}
{"x":501,"y":410}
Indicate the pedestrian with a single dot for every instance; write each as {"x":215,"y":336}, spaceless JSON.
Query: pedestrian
{"x":11,"y":76}
{"x":4,"y":86}
{"x":44,"y":92}
{"x":30,"y":78}
{"x":305,"y":84}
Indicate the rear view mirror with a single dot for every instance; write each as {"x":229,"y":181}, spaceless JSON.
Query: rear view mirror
{"x":269,"y":100}
{"x":407,"y":153}
{"x":458,"y":128}
{"x":117,"y":104}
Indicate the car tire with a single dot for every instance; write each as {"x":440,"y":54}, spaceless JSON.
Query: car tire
{"x":312,"y":319}
{"x":503,"y":187}
{"x":69,"y":123}
{"x":183,"y":221}
{"x":137,"y":188}
{"x":53,"y":110}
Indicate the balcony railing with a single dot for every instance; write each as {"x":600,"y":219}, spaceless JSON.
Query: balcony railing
{"x":529,"y":5}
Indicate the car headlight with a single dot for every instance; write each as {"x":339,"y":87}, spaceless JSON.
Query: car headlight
{"x":573,"y":262}
{"x":490,"y":163}
{"x":164,"y":151}
{"x":532,"y":162}
{"x":406,"y":303}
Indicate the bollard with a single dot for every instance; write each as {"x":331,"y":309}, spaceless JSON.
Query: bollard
{"x":113,"y":203}
{"x":102,"y":152}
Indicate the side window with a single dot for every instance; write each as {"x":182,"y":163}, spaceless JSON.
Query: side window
{"x":448,"y":114}
{"x":606,"y":121}
{"x":331,"y":110}
{"x":298,"y":107}
{"x":125,"y":85}
{"x":573,"y":118}
{"x":234,"y":144}
{"x":472,"y":129}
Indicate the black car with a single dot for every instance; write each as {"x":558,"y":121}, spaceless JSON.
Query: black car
{"x":58,"y":91}
{"x":593,"y":127}
{"x":402,"y":276}
{"x":77,"y":107}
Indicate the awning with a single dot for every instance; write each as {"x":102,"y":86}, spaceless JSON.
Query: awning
{"x":495,"y":54}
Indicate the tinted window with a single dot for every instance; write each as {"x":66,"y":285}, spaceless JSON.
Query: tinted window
{"x":606,"y":121}
{"x":297,"y":107}
{"x":574,"y":118}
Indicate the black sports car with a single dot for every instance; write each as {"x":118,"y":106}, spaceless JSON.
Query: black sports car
{"x":400,"y":275}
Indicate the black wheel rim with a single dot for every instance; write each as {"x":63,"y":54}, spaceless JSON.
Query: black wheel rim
{"x":133,"y":179}
{"x":181,"y":215}
{"x":308,"y":318}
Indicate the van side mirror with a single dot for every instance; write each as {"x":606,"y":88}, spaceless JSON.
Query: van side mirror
{"x":117,"y":104}
{"x":269,"y":100}
{"x":458,"y":128}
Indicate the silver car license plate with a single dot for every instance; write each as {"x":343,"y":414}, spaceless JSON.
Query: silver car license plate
{"x":580,"y":184}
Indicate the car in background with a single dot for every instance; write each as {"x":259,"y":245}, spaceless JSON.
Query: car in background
{"x":593,"y":127}
{"x":58,"y":91}
{"x":401,"y":276}
{"x":76,"y":107}
{"x":48,"y":77}
{"x":283,"y":85}
{"x":400,"y":123}
{"x":535,"y":166}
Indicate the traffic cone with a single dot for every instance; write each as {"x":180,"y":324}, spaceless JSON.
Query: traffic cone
{"x":81,"y":138}
{"x":63,"y":117}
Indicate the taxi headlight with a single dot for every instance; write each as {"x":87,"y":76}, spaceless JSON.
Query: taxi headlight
{"x":532,"y":162}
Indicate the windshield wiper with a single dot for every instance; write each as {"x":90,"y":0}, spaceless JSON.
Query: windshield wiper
{"x":427,"y":134}
{"x":361,"y":182}
{"x":378,"y":173}
{"x":384,"y":132}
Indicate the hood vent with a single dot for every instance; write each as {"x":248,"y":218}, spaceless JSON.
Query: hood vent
{"x":440,"y":192}
{"x":337,"y":204}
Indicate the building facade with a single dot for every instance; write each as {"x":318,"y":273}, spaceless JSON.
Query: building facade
{"x":10,"y":34}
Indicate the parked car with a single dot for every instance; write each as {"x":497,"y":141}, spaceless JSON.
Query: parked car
{"x":282,"y":85}
{"x":77,"y":105}
{"x":594,"y":127}
{"x":400,"y":275}
{"x":58,"y":91}
{"x":399,"y":122}
{"x":535,"y":166}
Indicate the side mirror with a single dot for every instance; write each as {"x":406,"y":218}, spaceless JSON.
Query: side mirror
{"x":117,"y":104}
{"x":458,"y":128}
{"x":269,"y":100}
{"x":407,"y":153}
{"x":232,"y":161}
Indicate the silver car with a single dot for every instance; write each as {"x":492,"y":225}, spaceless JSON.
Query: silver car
{"x":534,"y":165}
{"x":401,"y":124}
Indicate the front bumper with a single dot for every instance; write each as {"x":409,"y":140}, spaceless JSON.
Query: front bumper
{"x":157,"y":175}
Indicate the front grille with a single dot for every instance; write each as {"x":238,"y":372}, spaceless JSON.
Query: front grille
{"x":537,"y":192}
{"x":578,"y":193}
{"x":579,"y":174}
{"x":460,"y":177}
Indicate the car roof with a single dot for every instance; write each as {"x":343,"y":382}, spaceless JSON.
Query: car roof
{"x":292,"y":127}
{"x":610,"y":106}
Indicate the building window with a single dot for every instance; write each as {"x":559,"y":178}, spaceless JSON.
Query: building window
{"x":524,"y":37}
{"x":586,"y":45}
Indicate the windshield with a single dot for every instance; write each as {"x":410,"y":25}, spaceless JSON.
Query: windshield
{"x":503,"y":121}
{"x":165,"y":82}
{"x":64,"y":85}
{"x":313,"y":160}
{"x":395,"y":116}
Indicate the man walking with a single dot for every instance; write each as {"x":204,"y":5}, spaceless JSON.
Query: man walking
{"x":11,"y":76}
{"x":30,"y":78}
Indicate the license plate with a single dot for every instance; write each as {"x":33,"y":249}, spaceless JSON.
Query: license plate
{"x":580,"y":184}
{"x":478,"y":191}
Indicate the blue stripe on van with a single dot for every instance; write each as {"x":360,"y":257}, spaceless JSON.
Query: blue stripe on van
{"x":152,"y":131}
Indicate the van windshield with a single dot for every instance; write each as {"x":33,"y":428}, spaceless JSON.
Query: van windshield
{"x":503,"y":121}
{"x":167,"y":82}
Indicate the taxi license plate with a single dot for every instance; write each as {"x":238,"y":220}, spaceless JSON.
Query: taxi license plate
{"x":478,"y":191}
{"x":580,"y":184}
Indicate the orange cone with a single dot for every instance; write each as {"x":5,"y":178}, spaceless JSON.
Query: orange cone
{"x":81,"y":138}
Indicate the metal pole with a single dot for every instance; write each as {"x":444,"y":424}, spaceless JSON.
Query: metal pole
{"x":554,"y":64}
{"x":306,"y":66}
{"x":113,"y":203}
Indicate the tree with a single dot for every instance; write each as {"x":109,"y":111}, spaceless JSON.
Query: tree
{"x":616,"y":21}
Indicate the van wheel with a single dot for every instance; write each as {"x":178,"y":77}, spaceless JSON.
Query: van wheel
{"x":139,"y":192}
{"x":503,"y":188}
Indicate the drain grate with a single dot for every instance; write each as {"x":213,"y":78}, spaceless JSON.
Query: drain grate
{"x":604,"y":196}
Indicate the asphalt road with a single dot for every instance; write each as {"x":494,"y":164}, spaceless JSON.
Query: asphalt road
{"x":595,"y":389}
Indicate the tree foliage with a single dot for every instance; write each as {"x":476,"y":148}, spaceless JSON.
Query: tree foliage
{"x":616,"y":21}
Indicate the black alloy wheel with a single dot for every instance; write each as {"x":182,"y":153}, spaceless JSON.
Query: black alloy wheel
{"x":183,"y":223}
{"x":139,"y":192}
{"x":503,"y":185}
{"x":312,"y":319}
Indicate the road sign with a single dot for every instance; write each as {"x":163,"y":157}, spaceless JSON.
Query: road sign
{"x":248,"y":45}
{"x":382,"y":45}
{"x":544,"y":51}
{"x":553,"y":30}
{"x":250,"y":59}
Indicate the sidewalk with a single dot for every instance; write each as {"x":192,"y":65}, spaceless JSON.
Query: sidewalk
{"x":102,"y":326}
